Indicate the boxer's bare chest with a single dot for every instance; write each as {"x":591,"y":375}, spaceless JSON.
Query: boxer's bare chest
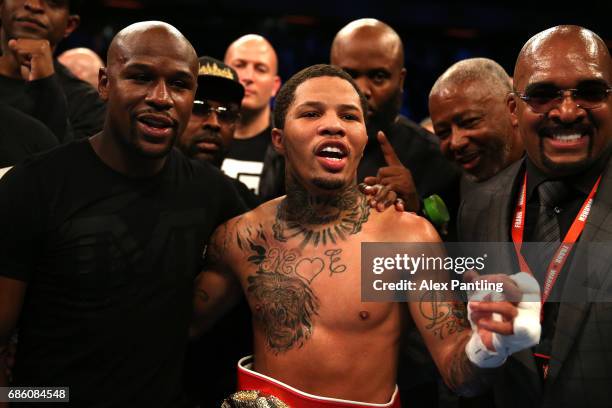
{"x":300,"y":278}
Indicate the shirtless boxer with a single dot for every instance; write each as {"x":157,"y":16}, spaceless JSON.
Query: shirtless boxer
{"x":297,"y":259}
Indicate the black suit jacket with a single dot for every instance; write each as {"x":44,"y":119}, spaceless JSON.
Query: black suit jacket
{"x":580,"y":373}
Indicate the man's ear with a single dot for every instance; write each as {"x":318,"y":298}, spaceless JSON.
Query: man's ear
{"x":103,"y":83}
{"x":512,"y":108}
{"x":74,"y":20}
{"x":402,"y":78}
{"x":277,"y":85}
{"x":277,"y":140}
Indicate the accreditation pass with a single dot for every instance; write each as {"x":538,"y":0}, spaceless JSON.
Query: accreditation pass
{"x":34,"y":394}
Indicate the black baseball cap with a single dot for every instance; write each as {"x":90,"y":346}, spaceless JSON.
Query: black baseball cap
{"x":218,"y":82}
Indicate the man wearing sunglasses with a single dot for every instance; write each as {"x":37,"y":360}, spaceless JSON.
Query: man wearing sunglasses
{"x":560,"y":194}
{"x":215,"y":114}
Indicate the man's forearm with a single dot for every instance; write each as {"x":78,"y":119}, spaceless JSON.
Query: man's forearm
{"x":463,"y":377}
{"x":214,"y":295}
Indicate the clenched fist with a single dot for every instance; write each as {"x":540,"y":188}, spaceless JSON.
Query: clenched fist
{"x":35,"y":57}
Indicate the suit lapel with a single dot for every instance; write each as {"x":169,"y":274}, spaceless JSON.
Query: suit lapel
{"x":572,"y":315}
{"x":503,"y":197}
{"x":599,"y":223}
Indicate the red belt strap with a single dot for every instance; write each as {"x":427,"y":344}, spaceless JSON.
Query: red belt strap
{"x":252,"y":380}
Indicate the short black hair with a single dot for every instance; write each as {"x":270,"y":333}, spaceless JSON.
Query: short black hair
{"x":286,"y":95}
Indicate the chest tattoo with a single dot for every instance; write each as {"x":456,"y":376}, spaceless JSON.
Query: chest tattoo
{"x":280,"y":289}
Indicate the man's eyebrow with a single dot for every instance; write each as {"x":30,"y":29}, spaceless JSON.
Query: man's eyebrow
{"x":348,"y":106}
{"x":352,"y":71}
{"x":550,"y":84}
{"x":539,"y":84}
{"x":592,"y":81}
{"x":378,"y":69}
{"x":184,"y":75}
{"x":321,"y":105}
{"x":312,"y":104}
{"x":467,"y":113}
{"x":140,"y":66}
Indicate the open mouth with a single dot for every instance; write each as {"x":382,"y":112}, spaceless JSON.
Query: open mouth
{"x":468,"y":160}
{"x":564,"y":139}
{"x":155,"y":125}
{"x":567,"y":138}
{"x":332,"y":151}
{"x":332,"y":155}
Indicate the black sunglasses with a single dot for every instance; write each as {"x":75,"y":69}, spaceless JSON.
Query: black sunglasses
{"x":543,"y":99}
{"x":224,"y":114}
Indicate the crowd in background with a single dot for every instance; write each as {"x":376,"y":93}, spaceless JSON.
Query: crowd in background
{"x":534,"y":104}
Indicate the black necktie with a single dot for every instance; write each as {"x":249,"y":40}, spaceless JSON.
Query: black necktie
{"x":551,"y":194}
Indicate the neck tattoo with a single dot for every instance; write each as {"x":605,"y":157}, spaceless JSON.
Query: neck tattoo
{"x":320,"y":219}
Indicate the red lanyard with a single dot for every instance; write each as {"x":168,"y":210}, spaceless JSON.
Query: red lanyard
{"x":558,"y":260}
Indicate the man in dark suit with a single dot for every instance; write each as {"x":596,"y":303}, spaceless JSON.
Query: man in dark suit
{"x":562,"y":106}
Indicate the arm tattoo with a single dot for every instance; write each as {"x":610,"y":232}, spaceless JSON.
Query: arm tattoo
{"x":444,"y":318}
{"x":216,"y":247}
{"x":283,"y":300}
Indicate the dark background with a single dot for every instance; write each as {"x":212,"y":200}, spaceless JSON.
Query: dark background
{"x":435,"y":33}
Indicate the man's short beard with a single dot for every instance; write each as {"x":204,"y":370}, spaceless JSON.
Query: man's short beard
{"x":385,"y":115}
{"x":328,"y":184}
{"x":498,"y":156}
{"x":152,"y":155}
{"x":138,"y":150}
{"x":210,"y":136}
{"x":567,"y":169}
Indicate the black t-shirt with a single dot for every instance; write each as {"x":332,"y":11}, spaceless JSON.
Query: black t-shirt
{"x":245,"y":158}
{"x":21,"y":136}
{"x":248,"y":196}
{"x":110,"y":263}
{"x":69,"y":107}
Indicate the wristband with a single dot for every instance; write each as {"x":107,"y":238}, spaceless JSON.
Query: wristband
{"x":526,"y":326}
{"x":435,"y":210}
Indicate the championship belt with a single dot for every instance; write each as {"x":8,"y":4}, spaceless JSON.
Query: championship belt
{"x":252,"y":399}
